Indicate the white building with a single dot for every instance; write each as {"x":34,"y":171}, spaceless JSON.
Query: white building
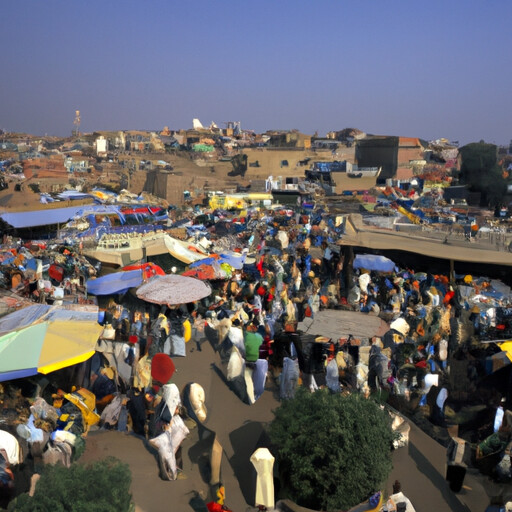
{"x":101,"y":146}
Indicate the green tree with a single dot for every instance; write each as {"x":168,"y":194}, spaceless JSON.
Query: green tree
{"x":333,"y":450}
{"x":103,"y":486}
{"x":481,"y":172}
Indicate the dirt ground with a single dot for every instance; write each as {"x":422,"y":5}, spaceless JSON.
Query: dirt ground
{"x":238,"y":427}
{"x":240,"y":430}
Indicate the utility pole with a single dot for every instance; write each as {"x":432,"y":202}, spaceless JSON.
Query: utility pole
{"x":76,"y":124}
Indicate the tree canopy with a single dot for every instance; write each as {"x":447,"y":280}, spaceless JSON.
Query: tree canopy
{"x":481,"y":172}
{"x":103,"y":486}
{"x":333,"y":450}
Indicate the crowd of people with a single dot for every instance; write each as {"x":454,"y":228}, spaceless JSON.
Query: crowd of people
{"x":292,"y":269}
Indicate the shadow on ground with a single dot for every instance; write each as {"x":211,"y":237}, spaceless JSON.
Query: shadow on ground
{"x":436,"y":478}
{"x":245,"y":440}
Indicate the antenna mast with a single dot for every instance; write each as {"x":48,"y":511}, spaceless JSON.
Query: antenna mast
{"x":76,"y":124}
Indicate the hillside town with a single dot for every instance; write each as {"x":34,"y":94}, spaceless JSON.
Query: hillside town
{"x":163,"y":293}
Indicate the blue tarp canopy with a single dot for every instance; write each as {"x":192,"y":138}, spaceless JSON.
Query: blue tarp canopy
{"x":31,"y":264}
{"x":205,"y":261}
{"x":374,"y":262}
{"x":119,"y":282}
{"x":73,"y":194}
{"x":40,"y":217}
{"x":330,"y":166}
{"x":235,"y":260}
{"x":50,"y":216}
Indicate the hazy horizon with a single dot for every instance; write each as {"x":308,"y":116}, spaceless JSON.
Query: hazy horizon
{"x":430,"y":70}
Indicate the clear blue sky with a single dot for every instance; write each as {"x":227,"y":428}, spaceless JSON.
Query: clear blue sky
{"x":426,"y":69}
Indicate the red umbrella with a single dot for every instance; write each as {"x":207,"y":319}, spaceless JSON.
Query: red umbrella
{"x":148,"y":269}
{"x":162,"y":368}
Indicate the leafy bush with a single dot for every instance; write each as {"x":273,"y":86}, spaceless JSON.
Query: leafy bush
{"x":333,"y":450}
{"x":102,"y":486}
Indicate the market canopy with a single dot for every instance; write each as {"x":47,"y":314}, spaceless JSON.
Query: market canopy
{"x":233,"y":259}
{"x":118,"y":282}
{"x":42,"y":339}
{"x":337,"y":323}
{"x":51,"y":216}
{"x":40,"y":217}
{"x":173,"y":289}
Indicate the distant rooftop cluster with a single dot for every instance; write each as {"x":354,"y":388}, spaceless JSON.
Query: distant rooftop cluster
{"x":50,"y":165}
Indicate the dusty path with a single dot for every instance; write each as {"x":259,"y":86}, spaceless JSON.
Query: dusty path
{"x":420,"y":467}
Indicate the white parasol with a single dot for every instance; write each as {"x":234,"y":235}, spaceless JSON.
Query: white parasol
{"x":173,"y":289}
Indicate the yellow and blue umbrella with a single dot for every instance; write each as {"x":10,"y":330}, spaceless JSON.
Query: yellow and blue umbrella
{"x":42,"y":339}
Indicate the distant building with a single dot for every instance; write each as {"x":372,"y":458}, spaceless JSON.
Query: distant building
{"x":180,"y":138}
{"x":156,"y":143}
{"x":459,"y":193}
{"x":347,"y":135}
{"x":137,"y":141}
{"x":288,"y":139}
{"x":74,"y":147}
{"x":47,"y":173}
{"x":48,"y":167}
{"x":392,"y":154}
{"x":165,"y":185}
{"x":411,"y":157}
{"x":77,"y":164}
{"x":233,"y":128}
{"x":379,"y":151}
{"x":410,"y":150}
{"x":169,"y":141}
{"x":8,"y":146}
{"x":101,"y":146}
{"x":325,"y":144}
{"x":192,"y":137}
